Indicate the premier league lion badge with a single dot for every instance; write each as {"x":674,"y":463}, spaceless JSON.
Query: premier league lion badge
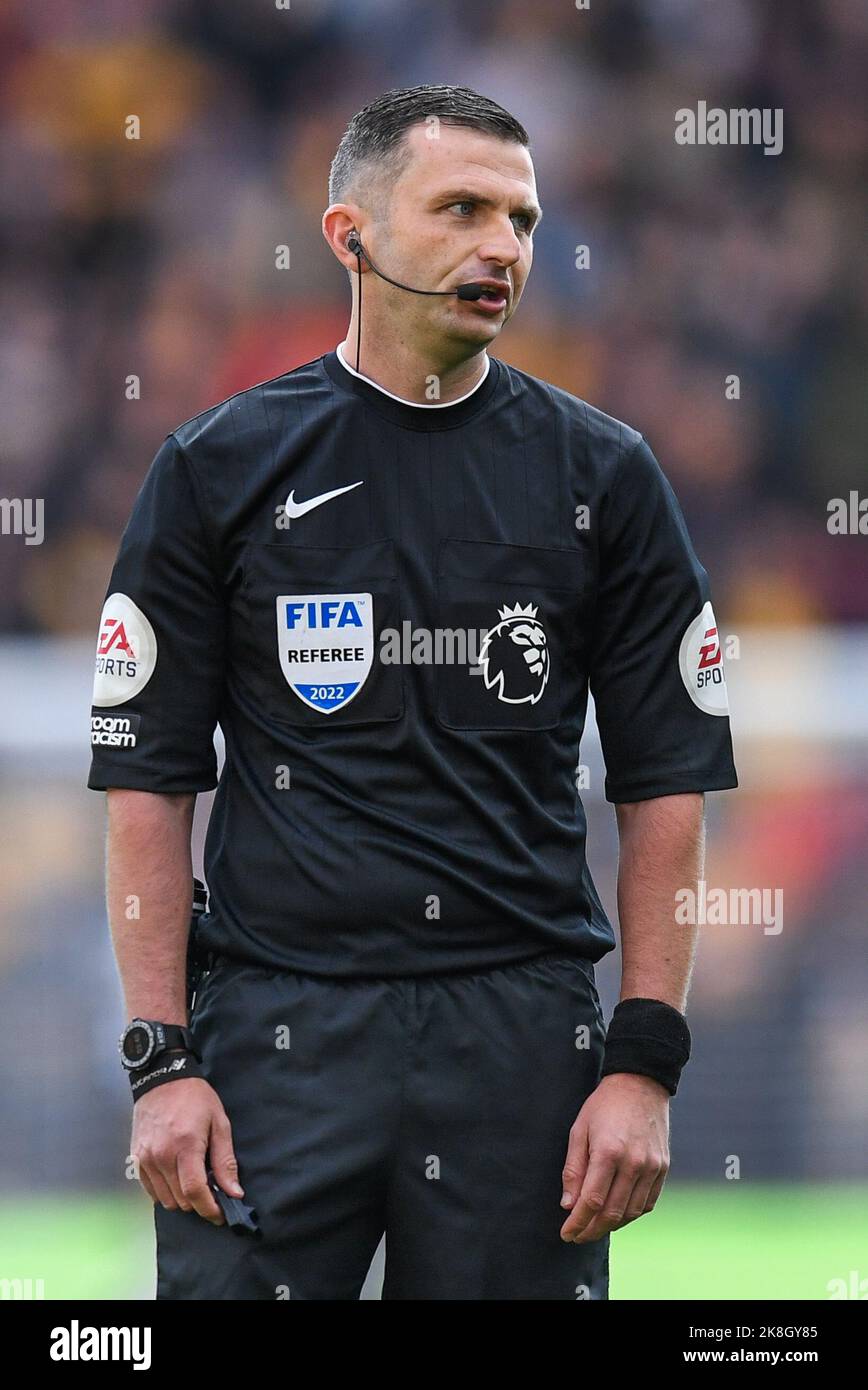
{"x":514,"y":656}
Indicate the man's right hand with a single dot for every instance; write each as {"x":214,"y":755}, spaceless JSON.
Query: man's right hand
{"x":175,"y":1126}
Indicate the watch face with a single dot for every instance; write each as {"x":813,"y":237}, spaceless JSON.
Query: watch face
{"x":138,"y":1043}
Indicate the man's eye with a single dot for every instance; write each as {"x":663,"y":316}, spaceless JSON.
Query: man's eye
{"x":524,"y":218}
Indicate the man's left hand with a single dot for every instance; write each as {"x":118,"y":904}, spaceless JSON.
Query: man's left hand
{"x":617,"y":1157}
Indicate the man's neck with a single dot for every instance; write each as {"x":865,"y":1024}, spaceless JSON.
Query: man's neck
{"x":411,"y":377}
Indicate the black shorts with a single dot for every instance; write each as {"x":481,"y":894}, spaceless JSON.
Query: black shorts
{"x":436,"y":1110}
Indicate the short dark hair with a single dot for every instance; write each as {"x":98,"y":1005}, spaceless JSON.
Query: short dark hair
{"x":373,"y":142}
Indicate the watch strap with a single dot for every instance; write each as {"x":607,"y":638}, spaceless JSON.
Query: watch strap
{"x":175,"y":1035}
{"x":178,"y":1066}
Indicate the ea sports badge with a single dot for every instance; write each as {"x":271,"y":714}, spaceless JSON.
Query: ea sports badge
{"x":701,"y":661}
{"x":126,"y":652}
{"x":326,"y":646}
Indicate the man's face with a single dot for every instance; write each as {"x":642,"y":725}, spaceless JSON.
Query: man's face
{"x":464,"y":209}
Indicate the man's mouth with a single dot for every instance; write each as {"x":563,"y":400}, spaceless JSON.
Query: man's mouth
{"x":493,"y":298}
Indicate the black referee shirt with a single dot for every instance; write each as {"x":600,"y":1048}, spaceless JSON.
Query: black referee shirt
{"x":401,"y":669}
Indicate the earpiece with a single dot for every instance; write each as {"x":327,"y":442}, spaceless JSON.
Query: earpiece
{"x":353,"y":243}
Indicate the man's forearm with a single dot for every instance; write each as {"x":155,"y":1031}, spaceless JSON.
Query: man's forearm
{"x":149,"y":881}
{"x":662,"y":848}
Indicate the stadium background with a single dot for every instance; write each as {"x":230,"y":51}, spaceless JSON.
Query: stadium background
{"x":156,"y":258}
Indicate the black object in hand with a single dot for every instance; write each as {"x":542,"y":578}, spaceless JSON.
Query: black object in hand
{"x":238,"y":1215}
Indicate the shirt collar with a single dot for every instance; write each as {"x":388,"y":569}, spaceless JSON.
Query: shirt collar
{"x":415,"y":405}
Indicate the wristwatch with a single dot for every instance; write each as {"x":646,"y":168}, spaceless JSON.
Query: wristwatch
{"x":142,"y":1040}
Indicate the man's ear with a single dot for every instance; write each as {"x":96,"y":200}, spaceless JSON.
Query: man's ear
{"x":338,"y":222}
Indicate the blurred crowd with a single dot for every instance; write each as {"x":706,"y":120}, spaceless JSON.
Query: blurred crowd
{"x":154,"y":258}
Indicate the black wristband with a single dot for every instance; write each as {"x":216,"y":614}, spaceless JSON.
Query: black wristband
{"x":169,"y":1066}
{"x":650,"y":1038}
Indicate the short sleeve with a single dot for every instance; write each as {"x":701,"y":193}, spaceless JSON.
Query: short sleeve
{"x":656,"y":667}
{"x":160,"y":647}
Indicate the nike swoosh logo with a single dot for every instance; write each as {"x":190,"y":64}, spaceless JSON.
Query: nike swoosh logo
{"x":295,"y":509}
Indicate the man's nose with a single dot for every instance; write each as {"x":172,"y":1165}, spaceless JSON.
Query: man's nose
{"x":501,"y":245}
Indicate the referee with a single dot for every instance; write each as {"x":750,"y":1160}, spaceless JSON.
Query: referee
{"x":391,"y":575}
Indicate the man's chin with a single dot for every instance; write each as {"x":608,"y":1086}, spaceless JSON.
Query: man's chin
{"x":476,"y":330}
